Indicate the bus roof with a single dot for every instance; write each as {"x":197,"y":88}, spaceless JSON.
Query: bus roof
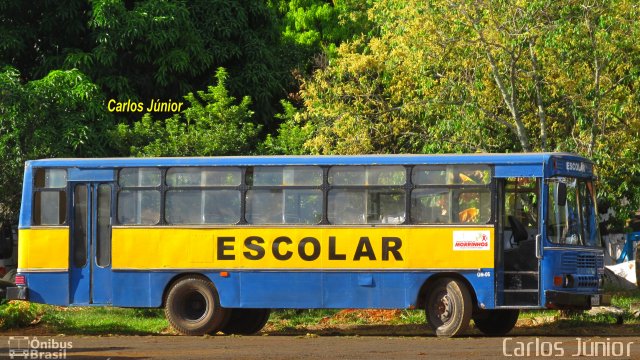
{"x":404,"y":159}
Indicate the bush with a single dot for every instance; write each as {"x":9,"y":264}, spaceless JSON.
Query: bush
{"x":15,"y":314}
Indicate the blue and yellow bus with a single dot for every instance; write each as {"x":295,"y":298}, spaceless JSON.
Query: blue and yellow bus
{"x":219,"y":241}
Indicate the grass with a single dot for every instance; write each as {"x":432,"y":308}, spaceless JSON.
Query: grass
{"x":290,"y":318}
{"x":108,"y":320}
{"x":104,"y":320}
{"x":281,"y":320}
{"x":82,"y":320}
{"x":624,"y":299}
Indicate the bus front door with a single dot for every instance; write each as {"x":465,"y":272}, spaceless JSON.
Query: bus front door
{"x":90,"y":243}
{"x":519,"y":209}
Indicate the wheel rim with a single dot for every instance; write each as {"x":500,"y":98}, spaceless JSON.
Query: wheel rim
{"x":195,"y":306}
{"x":442,"y":307}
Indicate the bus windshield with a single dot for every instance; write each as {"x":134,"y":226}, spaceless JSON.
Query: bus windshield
{"x":572,"y":212}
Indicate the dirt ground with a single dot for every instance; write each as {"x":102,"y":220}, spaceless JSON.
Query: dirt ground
{"x":533,"y":337}
{"x":536,"y":338}
{"x":268,"y":347}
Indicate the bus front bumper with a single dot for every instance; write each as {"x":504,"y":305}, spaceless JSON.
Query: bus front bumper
{"x":17,"y":293}
{"x":564,"y":300}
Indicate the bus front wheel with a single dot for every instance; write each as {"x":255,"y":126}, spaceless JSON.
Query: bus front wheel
{"x":246,"y":321}
{"x":496,"y":322}
{"x":192,"y":307}
{"x":448,"y":307}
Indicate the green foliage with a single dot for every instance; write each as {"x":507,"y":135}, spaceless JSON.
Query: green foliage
{"x":104,"y":320}
{"x":492,"y":77}
{"x":211,"y":125}
{"x":322,"y":24}
{"x":148,"y":313}
{"x":290,"y":137}
{"x":387,"y":76}
{"x":36,"y":37}
{"x":60,"y":115}
{"x":17,"y":314}
{"x":150,"y":49}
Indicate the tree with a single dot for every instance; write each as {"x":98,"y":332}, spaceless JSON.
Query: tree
{"x":321,"y":24}
{"x":147,"y":50}
{"x":60,"y":115}
{"x":311,"y":30}
{"x":290,"y":136}
{"x":212,"y":125}
{"x":470,"y":76}
{"x":36,"y":37}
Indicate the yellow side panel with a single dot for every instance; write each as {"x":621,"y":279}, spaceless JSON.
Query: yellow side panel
{"x":43,"y":249}
{"x":304,"y":248}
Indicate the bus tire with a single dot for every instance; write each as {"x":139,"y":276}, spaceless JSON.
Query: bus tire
{"x":246,"y":321}
{"x":448,"y":307}
{"x":193,"y":307}
{"x":496,"y":322}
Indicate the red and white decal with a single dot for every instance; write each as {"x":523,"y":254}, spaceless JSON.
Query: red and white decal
{"x":471,"y":240}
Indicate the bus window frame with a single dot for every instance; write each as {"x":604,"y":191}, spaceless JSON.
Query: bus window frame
{"x":166,"y":188}
{"x":458,"y":188}
{"x":325,"y":187}
{"x":63,"y":194}
{"x":403,"y":188}
{"x":161,"y":188}
{"x":248,"y":171}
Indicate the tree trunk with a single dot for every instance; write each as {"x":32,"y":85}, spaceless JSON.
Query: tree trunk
{"x":541,"y":111}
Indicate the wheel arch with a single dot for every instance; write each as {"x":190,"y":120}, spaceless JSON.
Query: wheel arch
{"x":178,"y":277}
{"x":426,"y":287}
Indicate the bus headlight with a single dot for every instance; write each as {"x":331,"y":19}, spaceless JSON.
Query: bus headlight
{"x":568,"y":281}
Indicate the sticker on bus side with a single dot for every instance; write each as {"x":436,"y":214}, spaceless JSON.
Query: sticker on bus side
{"x":471,"y":240}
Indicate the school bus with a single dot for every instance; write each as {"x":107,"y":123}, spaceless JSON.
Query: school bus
{"x":220,"y":241}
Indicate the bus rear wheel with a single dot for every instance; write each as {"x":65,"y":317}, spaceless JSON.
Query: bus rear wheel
{"x":448,"y":307}
{"x":192,"y":307}
{"x":496,"y":322}
{"x":246,"y":321}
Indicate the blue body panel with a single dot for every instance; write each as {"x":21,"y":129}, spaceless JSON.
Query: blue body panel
{"x":297,"y":290}
{"x":27,"y":196}
{"x":91,"y":175}
{"x":520,"y":159}
{"x":48,"y":287}
{"x":579,"y":262}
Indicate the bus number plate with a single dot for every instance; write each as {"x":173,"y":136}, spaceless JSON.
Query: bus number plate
{"x":595,"y":300}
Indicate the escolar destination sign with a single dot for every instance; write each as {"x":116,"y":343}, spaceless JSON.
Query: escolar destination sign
{"x":576,"y":167}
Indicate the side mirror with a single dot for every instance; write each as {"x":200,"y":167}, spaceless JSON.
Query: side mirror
{"x":561,"y":198}
{"x":6,"y":241}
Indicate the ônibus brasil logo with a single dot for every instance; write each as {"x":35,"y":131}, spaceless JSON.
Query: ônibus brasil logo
{"x":24,"y":347}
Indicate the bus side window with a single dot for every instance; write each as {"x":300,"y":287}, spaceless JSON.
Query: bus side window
{"x":284,"y":195}
{"x":347,"y":206}
{"x":139,"y":199}
{"x":474,"y":207}
{"x":50,"y":197}
{"x":370,"y":194}
{"x":430,"y":206}
{"x":264,"y":206}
